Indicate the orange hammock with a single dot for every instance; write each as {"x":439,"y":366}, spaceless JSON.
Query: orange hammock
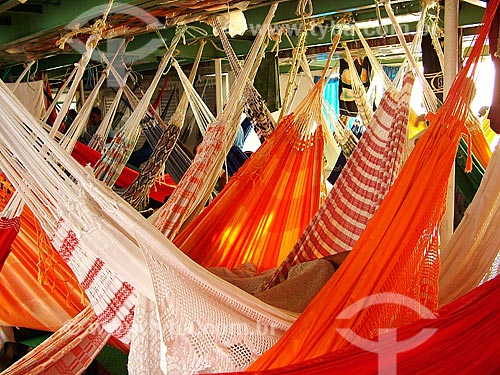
{"x":479,"y":144}
{"x":398,"y":251}
{"x":26,"y":302}
{"x":464,"y":340}
{"x":266,"y":205}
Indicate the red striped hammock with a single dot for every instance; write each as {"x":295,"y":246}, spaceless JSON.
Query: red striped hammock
{"x":361,"y":186}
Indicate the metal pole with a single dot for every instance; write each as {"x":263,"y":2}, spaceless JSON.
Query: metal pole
{"x":450,"y":72}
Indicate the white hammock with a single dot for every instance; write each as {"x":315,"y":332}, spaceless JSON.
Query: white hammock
{"x":472,"y":256}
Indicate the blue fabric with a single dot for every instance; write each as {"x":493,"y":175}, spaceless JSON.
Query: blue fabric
{"x":339,"y":165}
{"x":235,"y":159}
{"x":246,"y":125}
{"x":391,"y":71}
{"x":331,"y":92}
{"x":140,"y":156}
{"x":240,"y":137}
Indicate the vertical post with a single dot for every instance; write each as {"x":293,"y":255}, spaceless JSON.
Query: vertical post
{"x":219,"y":100}
{"x":82,"y":94}
{"x":450,"y":71}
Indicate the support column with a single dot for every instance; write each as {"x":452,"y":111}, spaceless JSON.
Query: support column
{"x":450,"y":72}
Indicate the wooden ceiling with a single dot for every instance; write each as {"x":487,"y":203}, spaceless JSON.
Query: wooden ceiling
{"x":30,"y":29}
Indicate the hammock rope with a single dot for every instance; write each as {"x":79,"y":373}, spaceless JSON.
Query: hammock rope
{"x":298,"y":51}
{"x":116,"y":154}
{"x":90,"y":45}
{"x":255,"y":109}
{"x":59,"y":93}
{"x":78,"y":125}
{"x":98,"y":140}
{"x":137,"y":193}
{"x":358,"y":90}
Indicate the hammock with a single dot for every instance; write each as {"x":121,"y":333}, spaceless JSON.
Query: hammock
{"x":398,"y":250}
{"x":235,"y":160}
{"x":255,"y":109}
{"x":179,"y":161}
{"x":277,"y":197}
{"x":116,"y":154}
{"x":37,"y":290}
{"x":197,"y":184}
{"x":472,"y":254}
{"x":137,"y":193}
{"x":479,"y":144}
{"x":362,"y":185}
{"x":464,"y":341}
{"x":281,"y":192}
{"x":69,"y":351}
{"x":364,"y":182}
{"x":9,"y":228}
{"x":162,"y":187}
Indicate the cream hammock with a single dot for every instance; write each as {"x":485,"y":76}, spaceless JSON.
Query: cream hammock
{"x":472,"y":256}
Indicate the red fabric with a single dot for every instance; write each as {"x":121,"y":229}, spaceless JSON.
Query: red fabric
{"x":465,"y":342}
{"x":157,"y":102}
{"x":86,"y":155}
{"x":9,"y":228}
{"x":53,"y":114}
